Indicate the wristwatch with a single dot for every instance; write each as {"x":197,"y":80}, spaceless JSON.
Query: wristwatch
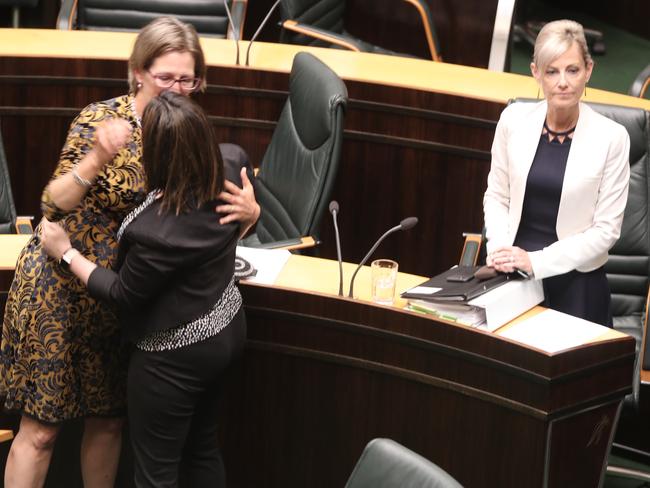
{"x":66,"y":257}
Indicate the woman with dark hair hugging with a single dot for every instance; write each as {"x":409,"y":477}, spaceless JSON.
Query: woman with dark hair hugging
{"x":174,"y":294}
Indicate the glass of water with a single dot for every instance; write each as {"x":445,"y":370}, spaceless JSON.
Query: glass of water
{"x":384,"y":276}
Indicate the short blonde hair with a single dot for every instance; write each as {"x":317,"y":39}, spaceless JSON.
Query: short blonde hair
{"x":556,"y":38}
{"x":161,"y":36}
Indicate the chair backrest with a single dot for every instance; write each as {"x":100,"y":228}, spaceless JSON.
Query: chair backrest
{"x":628,"y":266}
{"x":7,"y":206}
{"x":323,"y":14}
{"x":301,"y":161}
{"x":207,"y":16}
{"x":386,"y":464}
{"x":327,"y":17}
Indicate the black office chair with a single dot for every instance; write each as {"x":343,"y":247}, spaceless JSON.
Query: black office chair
{"x":628,"y":271}
{"x":207,"y":16}
{"x":300,"y":164}
{"x":640,"y":83}
{"x":386,"y":464}
{"x":320,"y":23}
{"x":9,"y":222}
{"x":15,"y":9}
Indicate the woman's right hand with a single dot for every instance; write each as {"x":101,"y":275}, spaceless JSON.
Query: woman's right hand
{"x":111,"y":136}
{"x":54,"y":239}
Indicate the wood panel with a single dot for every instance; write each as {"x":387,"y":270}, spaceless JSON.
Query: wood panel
{"x":405,"y":152}
{"x":322,"y":375}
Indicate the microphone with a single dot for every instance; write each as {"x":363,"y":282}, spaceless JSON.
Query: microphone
{"x":334,"y":210}
{"x":235,"y":31}
{"x":406,"y":224}
{"x":262,"y":24}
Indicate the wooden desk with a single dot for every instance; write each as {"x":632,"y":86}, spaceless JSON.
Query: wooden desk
{"x":322,"y":375}
{"x":417,"y":137}
{"x":10,"y":247}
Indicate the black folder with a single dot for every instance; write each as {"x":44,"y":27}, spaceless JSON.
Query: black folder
{"x":458,"y":292}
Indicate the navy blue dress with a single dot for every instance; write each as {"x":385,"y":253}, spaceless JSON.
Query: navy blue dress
{"x":584,"y":295}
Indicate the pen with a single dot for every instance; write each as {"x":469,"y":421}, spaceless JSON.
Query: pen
{"x":523,"y":274}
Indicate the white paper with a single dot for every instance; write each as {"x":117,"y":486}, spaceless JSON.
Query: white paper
{"x":424,"y":290}
{"x":553,"y":331}
{"x":267,"y":262}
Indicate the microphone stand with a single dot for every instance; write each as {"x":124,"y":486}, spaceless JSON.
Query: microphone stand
{"x":235,"y":31}
{"x":405,"y":224}
{"x":365,"y":258}
{"x":250,"y":43}
{"x":334,"y":210}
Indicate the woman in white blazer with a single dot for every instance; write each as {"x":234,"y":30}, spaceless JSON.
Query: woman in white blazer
{"x":558,"y":181}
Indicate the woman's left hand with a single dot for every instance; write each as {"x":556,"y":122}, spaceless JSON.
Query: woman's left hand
{"x":508,"y":259}
{"x":54,"y":239}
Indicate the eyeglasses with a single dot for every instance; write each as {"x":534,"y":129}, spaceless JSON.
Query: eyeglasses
{"x":165,"y":80}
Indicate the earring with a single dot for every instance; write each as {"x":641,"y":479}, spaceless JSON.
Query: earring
{"x":585,"y":90}
{"x":138,"y":85}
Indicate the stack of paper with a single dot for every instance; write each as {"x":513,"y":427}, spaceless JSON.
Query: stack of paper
{"x":461,"y":313}
{"x":490,"y":310}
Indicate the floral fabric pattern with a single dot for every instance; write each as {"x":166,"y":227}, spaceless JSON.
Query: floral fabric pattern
{"x":62,"y":354}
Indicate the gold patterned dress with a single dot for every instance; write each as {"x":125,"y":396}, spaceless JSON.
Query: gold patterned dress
{"x":62,"y":354}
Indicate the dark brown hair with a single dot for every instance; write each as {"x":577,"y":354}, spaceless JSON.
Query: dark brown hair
{"x":161,"y":36}
{"x":179,"y":154}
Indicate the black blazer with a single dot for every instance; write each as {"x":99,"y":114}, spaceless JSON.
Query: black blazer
{"x":172,"y":268}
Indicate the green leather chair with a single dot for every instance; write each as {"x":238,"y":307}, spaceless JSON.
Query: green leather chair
{"x":207,"y":16}
{"x":386,"y":464}
{"x":299,"y":167}
{"x":320,"y":23}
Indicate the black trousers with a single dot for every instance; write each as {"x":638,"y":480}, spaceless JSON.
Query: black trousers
{"x":172,"y":410}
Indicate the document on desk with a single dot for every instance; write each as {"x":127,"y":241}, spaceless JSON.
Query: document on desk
{"x":267,"y":262}
{"x":554,"y":331}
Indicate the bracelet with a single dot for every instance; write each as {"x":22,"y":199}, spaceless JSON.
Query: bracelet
{"x":79,"y":180}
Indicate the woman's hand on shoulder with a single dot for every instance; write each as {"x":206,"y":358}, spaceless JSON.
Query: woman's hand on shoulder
{"x":54,"y":238}
{"x":240,"y":204}
{"x":111,"y":136}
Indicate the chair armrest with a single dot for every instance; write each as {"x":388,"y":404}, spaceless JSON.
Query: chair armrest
{"x":640,"y":84}
{"x":291,"y":244}
{"x":305,"y":243}
{"x":238,"y":12}
{"x":6,"y":435}
{"x":645,"y":368}
{"x":321,"y":34}
{"x":432,"y":41}
{"x":67,"y":15}
{"x":24,"y":225}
